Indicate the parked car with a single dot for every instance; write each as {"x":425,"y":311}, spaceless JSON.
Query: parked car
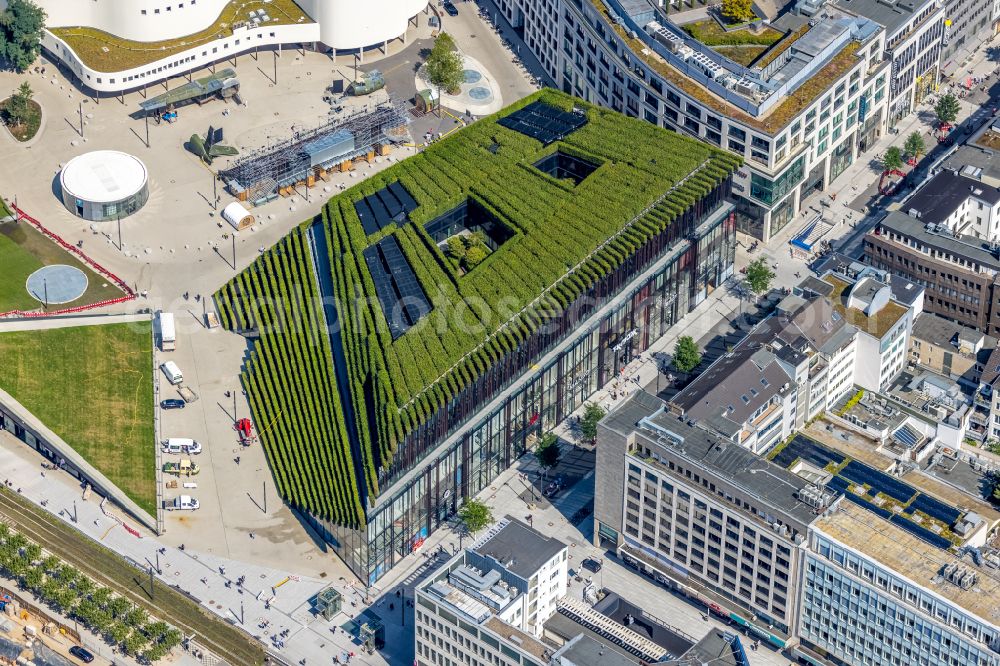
{"x":590,"y":564}
{"x":450,"y":9}
{"x":172,"y":403}
{"x":173,"y":373}
{"x":82,"y":654}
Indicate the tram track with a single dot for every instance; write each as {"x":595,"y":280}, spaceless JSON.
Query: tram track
{"x":108,"y":568}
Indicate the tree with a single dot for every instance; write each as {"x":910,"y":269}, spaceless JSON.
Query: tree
{"x":738,"y":11}
{"x":475,"y":515}
{"x":759,"y":276}
{"x":21,"y":26}
{"x":19,"y":105}
{"x":474,"y":256}
{"x":134,"y":643}
{"x":914,"y":146}
{"x":116,"y":632}
{"x":444,"y":65}
{"x":592,"y":413}
{"x":947,"y":109}
{"x":547,"y":451}
{"x":456,"y":248}
{"x":892,"y":160}
{"x":686,"y":354}
{"x":993,"y":479}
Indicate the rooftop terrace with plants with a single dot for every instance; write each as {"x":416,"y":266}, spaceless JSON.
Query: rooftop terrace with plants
{"x":105,"y":52}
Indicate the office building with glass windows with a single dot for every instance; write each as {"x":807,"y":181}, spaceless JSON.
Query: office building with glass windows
{"x":704,"y":516}
{"x":507,"y":273}
{"x":799,"y":112}
{"x":875,"y":593}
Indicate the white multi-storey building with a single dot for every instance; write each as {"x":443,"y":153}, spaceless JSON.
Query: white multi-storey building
{"x":500,"y":590}
{"x":850,"y":328}
{"x":119,"y":45}
{"x":959,"y":203}
{"x":799,"y":115}
{"x":702,"y":515}
{"x":913,"y":33}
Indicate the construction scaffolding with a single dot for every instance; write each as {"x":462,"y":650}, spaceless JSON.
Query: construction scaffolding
{"x":307,"y":156}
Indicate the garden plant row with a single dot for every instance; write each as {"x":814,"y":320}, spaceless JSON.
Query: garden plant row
{"x":477,"y":318}
{"x":63,"y":588}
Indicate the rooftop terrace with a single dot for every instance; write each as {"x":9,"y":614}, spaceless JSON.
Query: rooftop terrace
{"x":917,"y":560}
{"x":104,"y":52}
{"x":777,"y":117}
{"x":876,"y":325}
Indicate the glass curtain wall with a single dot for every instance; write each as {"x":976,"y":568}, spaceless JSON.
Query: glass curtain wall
{"x":490,"y":445}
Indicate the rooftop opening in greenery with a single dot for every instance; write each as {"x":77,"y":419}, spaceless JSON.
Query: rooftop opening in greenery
{"x":105,"y":52}
{"x":544,"y":122}
{"x":563,"y":166}
{"x":396,"y":285}
{"x":467,"y":234}
{"x":390,"y":204}
{"x":558,"y":242}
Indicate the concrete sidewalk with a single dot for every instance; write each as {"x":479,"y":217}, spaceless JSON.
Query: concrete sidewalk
{"x":269,"y":601}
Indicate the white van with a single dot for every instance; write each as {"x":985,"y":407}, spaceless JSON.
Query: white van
{"x":180,"y":445}
{"x":172,"y":372}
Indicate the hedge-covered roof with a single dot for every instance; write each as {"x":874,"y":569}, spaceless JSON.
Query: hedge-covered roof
{"x":565,"y":238}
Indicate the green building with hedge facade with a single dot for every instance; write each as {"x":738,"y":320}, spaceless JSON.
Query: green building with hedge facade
{"x":412,"y":342}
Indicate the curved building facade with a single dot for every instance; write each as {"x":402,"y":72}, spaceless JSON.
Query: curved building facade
{"x":104,"y":185}
{"x":216,"y":30}
{"x":349,"y":24}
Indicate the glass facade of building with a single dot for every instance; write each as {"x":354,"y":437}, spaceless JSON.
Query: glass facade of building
{"x":620,"y":323}
{"x":102,"y":211}
{"x":860,"y":612}
{"x":768,"y":191}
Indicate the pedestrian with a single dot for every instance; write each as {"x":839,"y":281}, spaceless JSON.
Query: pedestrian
{"x":96,"y":524}
{"x":251,"y":535}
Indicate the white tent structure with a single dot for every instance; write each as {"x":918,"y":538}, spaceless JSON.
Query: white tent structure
{"x":238,"y":216}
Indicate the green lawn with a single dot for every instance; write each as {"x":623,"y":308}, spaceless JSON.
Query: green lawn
{"x":743,"y":55}
{"x":16,"y":264}
{"x":109,"y":53}
{"x":92,"y":385}
{"x":710,"y":33}
{"x":24,"y":250}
